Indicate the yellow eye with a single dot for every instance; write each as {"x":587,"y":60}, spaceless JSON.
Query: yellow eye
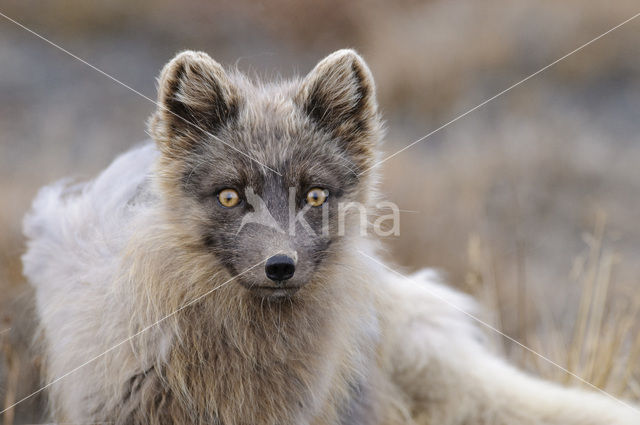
{"x":228,"y":198}
{"x":317,"y":196}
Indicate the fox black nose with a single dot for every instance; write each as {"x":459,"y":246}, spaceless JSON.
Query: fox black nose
{"x":280,"y":267}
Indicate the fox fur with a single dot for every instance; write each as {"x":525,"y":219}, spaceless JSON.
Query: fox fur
{"x":148,"y":300}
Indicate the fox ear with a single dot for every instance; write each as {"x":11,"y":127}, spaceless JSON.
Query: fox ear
{"x":339,"y":97}
{"x":195,"y":97}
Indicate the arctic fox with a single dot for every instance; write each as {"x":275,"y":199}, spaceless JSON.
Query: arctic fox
{"x":170,"y":299}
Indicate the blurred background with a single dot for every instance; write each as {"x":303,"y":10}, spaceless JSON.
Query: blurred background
{"x":531,"y":203}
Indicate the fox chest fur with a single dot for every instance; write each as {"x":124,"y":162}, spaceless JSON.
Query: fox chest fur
{"x":298,"y":361}
{"x":220,"y":383}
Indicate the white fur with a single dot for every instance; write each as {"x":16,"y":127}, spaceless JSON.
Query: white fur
{"x":76,"y":237}
{"x":440,"y":355}
{"x":431,"y":351}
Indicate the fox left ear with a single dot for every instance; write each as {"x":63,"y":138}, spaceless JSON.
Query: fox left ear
{"x":339,"y":97}
{"x":195,"y":97}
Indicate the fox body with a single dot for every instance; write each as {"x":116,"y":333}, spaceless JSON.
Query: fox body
{"x":156,"y":291}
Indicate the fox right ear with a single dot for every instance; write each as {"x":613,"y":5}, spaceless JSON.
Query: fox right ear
{"x":338,"y":95}
{"x":195,"y":97}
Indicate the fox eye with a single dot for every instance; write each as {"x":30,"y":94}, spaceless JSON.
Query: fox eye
{"x":228,"y":198}
{"x":317,"y":196}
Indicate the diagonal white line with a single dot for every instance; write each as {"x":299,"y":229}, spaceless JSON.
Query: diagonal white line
{"x":499,"y":94}
{"x":135,"y":91}
{"x":452,"y":305}
{"x":195,"y":300}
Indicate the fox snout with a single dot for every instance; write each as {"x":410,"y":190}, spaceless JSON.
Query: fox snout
{"x":280,"y":268}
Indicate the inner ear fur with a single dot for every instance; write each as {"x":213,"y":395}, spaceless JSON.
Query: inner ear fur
{"x":338,"y":95}
{"x":195,"y":97}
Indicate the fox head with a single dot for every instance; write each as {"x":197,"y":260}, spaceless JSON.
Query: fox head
{"x":255,"y":173}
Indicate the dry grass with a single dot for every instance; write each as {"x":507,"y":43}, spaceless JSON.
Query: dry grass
{"x":600,"y":341}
